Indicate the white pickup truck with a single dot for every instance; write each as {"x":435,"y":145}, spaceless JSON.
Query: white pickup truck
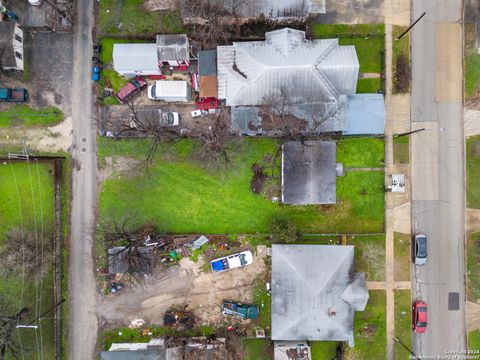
{"x":234,"y":261}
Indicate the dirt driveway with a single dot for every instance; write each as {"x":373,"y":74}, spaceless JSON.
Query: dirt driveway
{"x":181,"y":285}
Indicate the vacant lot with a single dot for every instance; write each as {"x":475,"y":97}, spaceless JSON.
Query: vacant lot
{"x":403,"y":321}
{"x":370,"y":330}
{"x":182,"y":196}
{"x":23,"y":115}
{"x":473,"y":172}
{"x":128,"y":17}
{"x":26,"y":205}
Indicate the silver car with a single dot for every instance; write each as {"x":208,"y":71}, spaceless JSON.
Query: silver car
{"x":420,"y":249}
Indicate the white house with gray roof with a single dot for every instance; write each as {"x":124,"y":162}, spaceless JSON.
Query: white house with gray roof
{"x":286,"y":64}
{"x":315,"y":293}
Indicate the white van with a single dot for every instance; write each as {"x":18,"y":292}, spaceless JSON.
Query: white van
{"x":170,"y":91}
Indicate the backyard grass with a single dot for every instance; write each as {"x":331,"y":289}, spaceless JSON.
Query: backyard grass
{"x":474,"y":340}
{"x":472,"y":63}
{"x":366,"y":152}
{"x":370,"y":330}
{"x":473,"y":267}
{"x":26,"y":202}
{"x":473,"y":172}
{"x":403,"y":321}
{"x":183,"y":197}
{"x":367,"y":38}
{"x":403,"y":256}
{"x":257,"y":349}
{"x":128,"y":17}
{"x":23,"y":115}
{"x":263,"y":300}
{"x":401,"y":150}
{"x":323,"y":350}
{"x":369,"y":85}
{"x":400,"y":48}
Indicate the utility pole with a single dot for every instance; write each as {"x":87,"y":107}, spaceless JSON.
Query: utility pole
{"x":411,"y":26}
{"x":30,"y":326}
{"x":408,"y":133}
{"x":405,"y":347}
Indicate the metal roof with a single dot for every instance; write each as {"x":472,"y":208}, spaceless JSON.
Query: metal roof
{"x":246,"y":120}
{"x":365,"y":114}
{"x":309,"y":283}
{"x":287,"y":65}
{"x":7,"y":52}
{"x":308,"y":173}
{"x":173,"y":47}
{"x":134,"y":355}
{"x":135,"y":57}
{"x":267,"y":8}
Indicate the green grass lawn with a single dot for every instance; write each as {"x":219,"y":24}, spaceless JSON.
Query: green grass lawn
{"x":472,"y":63}
{"x":370,"y":330}
{"x":264,"y":302}
{"x":182,"y":197}
{"x":403,"y":323}
{"x":369,"y":48}
{"x":400,"y":48}
{"x":474,"y":340}
{"x":128,"y":17}
{"x":473,"y":172}
{"x":356,"y":152}
{"x":403,"y":257}
{"x":26,"y":201}
{"x":401,"y":150}
{"x":323,"y":350}
{"x":473,"y":267}
{"x":257,"y":349}
{"x":23,"y":115}
{"x":369,"y":85}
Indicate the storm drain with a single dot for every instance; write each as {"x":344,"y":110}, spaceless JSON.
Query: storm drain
{"x":453,"y":301}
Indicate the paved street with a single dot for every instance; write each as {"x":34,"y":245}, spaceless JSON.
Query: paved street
{"x":83,"y":320}
{"x":437,"y":159}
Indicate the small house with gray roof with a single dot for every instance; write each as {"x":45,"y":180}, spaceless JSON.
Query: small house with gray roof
{"x":11,"y":46}
{"x":315,"y":293}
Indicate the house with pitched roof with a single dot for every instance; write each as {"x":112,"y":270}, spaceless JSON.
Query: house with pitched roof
{"x":11,"y":46}
{"x":315,"y":293}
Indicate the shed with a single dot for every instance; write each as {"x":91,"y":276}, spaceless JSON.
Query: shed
{"x":11,"y":46}
{"x":315,"y":293}
{"x":173,"y":49}
{"x":308,"y":173}
{"x":130,"y":60}
{"x":207,"y":71}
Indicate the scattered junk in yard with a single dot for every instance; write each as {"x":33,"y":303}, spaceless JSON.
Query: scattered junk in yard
{"x":180,"y":320}
{"x":136,"y":323}
{"x":233,"y":261}
{"x":269,"y":290}
{"x":115,"y":287}
{"x":236,"y":309}
{"x":197,"y":244}
{"x":259,"y":332}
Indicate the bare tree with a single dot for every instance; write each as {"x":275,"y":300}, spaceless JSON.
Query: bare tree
{"x":8,"y":324}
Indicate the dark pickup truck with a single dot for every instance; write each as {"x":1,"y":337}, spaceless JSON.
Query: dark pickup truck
{"x":13,"y":95}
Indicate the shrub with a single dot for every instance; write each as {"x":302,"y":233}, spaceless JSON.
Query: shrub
{"x":284,"y":231}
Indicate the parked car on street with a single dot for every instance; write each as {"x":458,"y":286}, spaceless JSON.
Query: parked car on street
{"x":234,"y":261}
{"x":13,"y":95}
{"x":420,"y":249}
{"x":243,"y":311}
{"x":131,"y":88}
{"x":419,"y":316}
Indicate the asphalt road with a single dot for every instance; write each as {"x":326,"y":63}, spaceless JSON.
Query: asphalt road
{"x":82,"y":286}
{"x":437,"y":159}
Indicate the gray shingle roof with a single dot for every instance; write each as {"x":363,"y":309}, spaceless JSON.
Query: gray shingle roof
{"x":308,"y":173}
{"x":7,"y":53}
{"x":308,"y":281}
{"x":173,"y":47}
{"x":304,"y":71}
{"x":207,"y":62}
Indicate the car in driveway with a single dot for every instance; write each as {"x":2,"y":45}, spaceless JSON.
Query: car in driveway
{"x":420,"y":249}
{"x":131,"y":88}
{"x":236,"y":309}
{"x":170,"y":118}
{"x":419,"y":316}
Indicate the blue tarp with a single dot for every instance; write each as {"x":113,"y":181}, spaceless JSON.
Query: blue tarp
{"x":365,"y":115}
{"x":217,"y":265}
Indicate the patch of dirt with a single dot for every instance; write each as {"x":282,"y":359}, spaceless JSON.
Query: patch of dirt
{"x":155,"y":5}
{"x":183,"y":285}
{"x":368,"y":330}
{"x":258,"y":179}
{"x":116,"y":166}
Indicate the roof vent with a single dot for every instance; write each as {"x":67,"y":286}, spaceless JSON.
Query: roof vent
{"x":332,"y":311}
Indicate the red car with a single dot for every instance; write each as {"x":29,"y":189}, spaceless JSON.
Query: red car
{"x":419,"y":316}
{"x":132,"y":87}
